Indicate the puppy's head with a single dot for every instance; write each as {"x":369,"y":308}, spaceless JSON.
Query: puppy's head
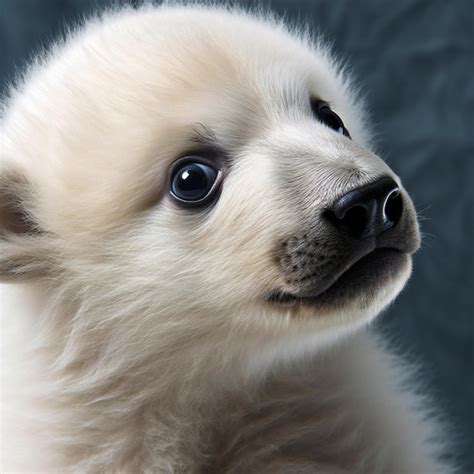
{"x":200,"y":168}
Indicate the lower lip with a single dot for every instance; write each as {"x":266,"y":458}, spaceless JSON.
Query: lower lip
{"x":374,"y":270}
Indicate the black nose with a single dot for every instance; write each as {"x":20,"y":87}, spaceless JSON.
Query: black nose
{"x":369,"y":210}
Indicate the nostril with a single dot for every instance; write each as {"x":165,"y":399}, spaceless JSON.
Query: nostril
{"x":369,"y":210}
{"x":355,"y":219}
{"x":393,"y":207}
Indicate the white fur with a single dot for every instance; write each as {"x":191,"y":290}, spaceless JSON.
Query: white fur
{"x":144,"y":345}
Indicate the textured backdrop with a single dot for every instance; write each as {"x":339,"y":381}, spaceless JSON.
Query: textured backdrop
{"x":414,"y":61}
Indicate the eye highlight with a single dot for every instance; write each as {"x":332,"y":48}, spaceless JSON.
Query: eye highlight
{"x":328,"y":117}
{"x":194,"y":182}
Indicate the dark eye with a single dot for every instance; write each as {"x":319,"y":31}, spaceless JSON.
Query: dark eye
{"x":324,"y":114}
{"x":193,"y":182}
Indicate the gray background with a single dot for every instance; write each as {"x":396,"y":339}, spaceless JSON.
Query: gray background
{"x":413,"y":61}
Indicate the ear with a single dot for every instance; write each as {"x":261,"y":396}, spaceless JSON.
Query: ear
{"x":23,"y":245}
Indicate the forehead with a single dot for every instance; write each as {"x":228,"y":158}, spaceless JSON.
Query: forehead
{"x":183,"y":57}
{"x":180,"y":65}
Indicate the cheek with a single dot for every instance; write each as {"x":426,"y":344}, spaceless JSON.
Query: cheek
{"x":233,"y":243}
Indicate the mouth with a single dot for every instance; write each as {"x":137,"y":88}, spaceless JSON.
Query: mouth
{"x":363,"y":278}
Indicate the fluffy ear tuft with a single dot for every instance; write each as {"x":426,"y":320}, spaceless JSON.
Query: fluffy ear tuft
{"x":22,"y":244}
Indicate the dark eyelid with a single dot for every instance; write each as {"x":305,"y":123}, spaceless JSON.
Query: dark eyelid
{"x":202,"y":150}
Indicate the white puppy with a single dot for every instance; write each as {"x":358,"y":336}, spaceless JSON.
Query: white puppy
{"x":203,"y":235}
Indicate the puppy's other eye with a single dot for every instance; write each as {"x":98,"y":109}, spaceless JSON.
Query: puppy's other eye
{"x":324,"y":114}
{"x":193,"y":182}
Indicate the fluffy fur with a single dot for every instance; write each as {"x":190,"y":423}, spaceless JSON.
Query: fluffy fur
{"x":136,"y":334}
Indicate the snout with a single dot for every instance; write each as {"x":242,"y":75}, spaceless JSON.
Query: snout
{"x":363,"y":240}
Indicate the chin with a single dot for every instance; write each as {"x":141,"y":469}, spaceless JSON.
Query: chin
{"x":357,"y":296}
